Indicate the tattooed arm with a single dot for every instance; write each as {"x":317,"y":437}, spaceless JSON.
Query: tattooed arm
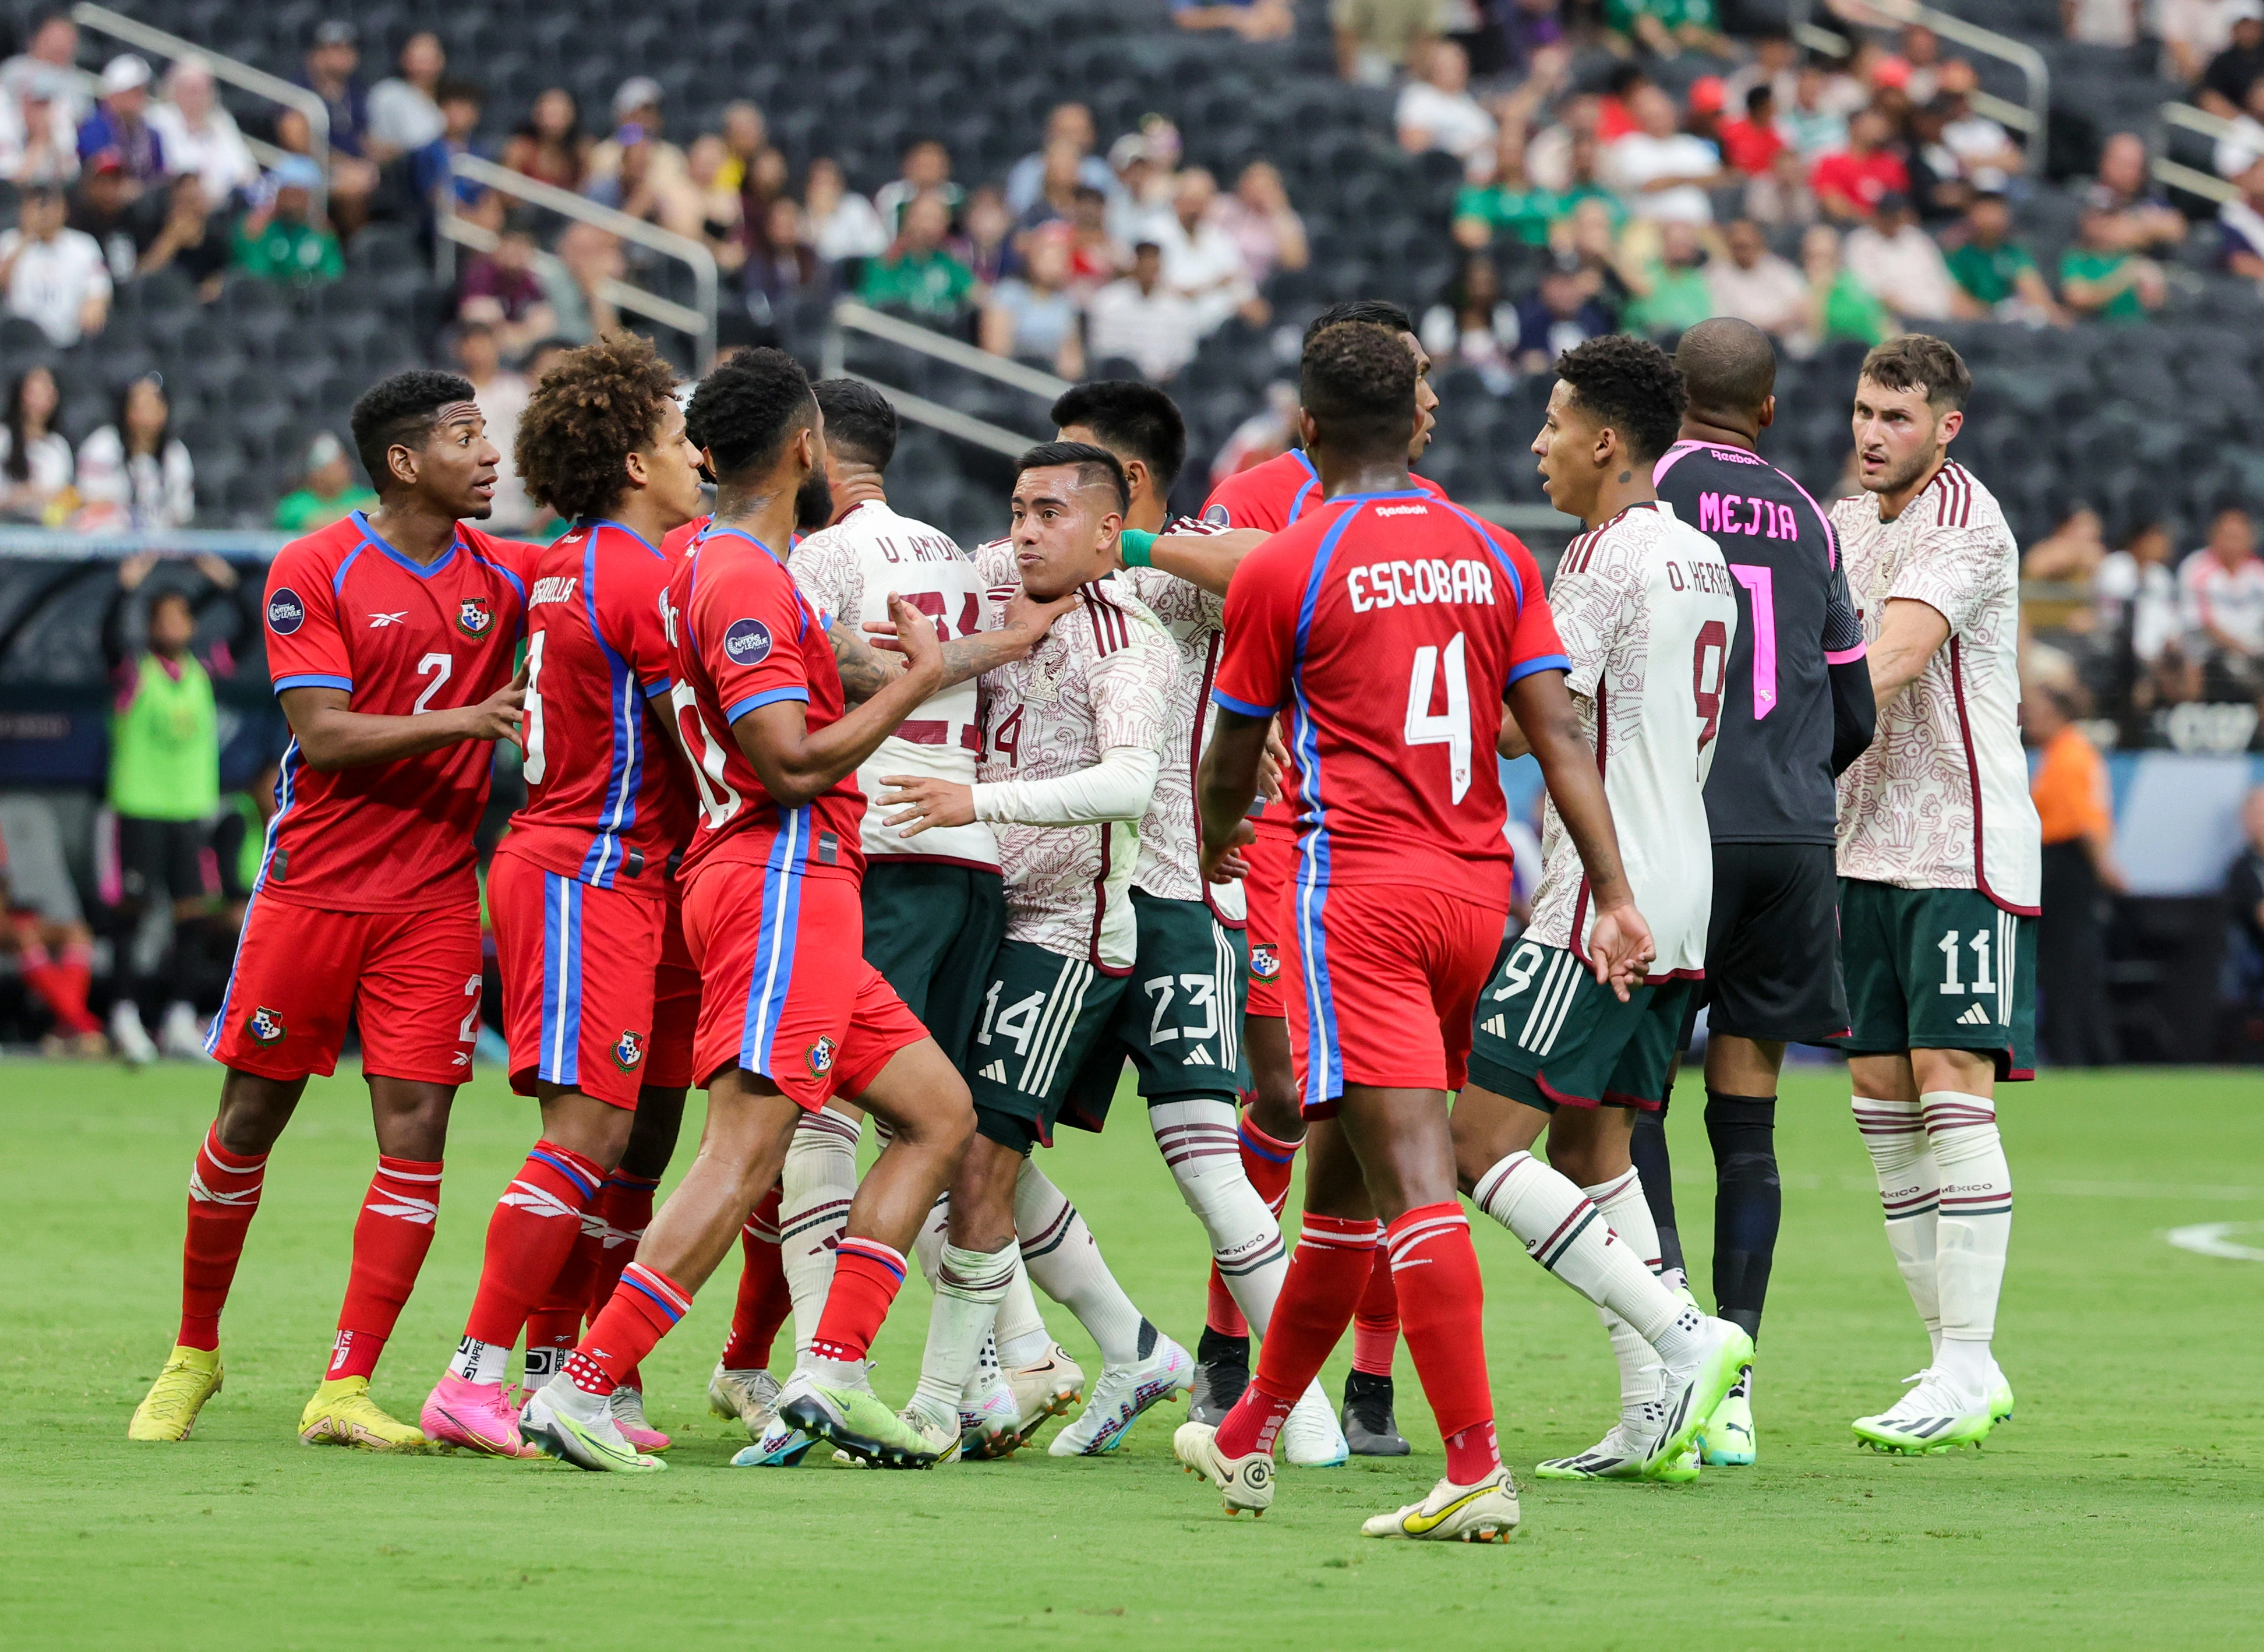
{"x":1026,"y":621}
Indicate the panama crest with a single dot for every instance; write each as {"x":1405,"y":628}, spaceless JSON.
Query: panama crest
{"x":821,"y":1056}
{"x":1264,"y":963}
{"x":628,"y":1052}
{"x":264,"y":1025}
{"x":474,"y":616}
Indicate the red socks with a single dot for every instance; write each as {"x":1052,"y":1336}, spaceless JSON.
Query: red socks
{"x":1442,"y":1309}
{"x":867,"y":1275}
{"x":1266,"y":1160}
{"x":391,"y":1236}
{"x":624,"y":1204}
{"x":645,"y":1306}
{"x":223,"y":1196}
{"x":61,"y":986}
{"x":1375,"y":1323}
{"x":529,"y":1237}
{"x":764,"y":1300}
{"x":1327,"y":1272}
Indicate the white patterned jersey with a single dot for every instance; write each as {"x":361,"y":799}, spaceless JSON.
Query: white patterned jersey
{"x":1103,"y":676}
{"x":847,"y":571}
{"x":1647,"y":613}
{"x":1940,"y":799}
{"x":1170,"y":837}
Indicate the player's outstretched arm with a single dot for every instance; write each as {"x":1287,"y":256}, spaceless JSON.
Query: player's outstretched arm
{"x":1619,"y":944}
{"x":1027,"y":622}
{"x":796,"y":764}
{"x":1909,"y":633}
{"x":1207,"y":561}
{"x":1229,"y":780}
{"x":332,"y":736}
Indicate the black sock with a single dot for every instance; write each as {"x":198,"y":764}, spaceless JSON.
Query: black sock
{"x":1217,"y":1347}
{"x":1648,"y":1149}
{"x":1358,"y":1384}
{"x":1748,"y":1203}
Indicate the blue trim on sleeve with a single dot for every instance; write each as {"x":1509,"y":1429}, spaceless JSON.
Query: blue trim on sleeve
{"x":660,"y":689}
{"x":1219,"y":697}
{"x":756,"y":702}
{"x":312,"y":679}
{"x":1547,"y":662}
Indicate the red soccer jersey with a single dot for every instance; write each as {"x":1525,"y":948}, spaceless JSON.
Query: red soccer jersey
{"x":746,"y":637}
{"x":1323,"y":623}
{"x":604,"y":798}
{"x":347,"y":610}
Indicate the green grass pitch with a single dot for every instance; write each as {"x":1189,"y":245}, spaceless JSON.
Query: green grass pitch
{"x":2121,"y":1508}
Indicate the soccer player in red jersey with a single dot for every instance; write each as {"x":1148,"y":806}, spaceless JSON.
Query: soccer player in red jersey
{"x":1400,"y":891}
{"x":390,"y":638}
{"x":600,"y":997}
{"x":1268,"y":498}
{"x":790,"y":1011}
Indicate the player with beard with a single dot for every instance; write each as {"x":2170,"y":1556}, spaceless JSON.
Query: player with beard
{"x":389,"y":636}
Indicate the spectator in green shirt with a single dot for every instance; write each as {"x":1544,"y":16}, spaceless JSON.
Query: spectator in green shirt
{"x":1665,"y":26}
{"x":2097,"y":278}
{"x":1671,"y":290}
{"x":918,"y":273}
{"x":329,"y":493}
{"x":283,"y":241}
{"x":1510,"y":204}
{"x":1996,"y":275}
{"x":1842,"y":306}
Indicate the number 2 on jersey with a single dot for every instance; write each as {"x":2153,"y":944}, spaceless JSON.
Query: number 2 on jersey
{"x":1451,"y":728}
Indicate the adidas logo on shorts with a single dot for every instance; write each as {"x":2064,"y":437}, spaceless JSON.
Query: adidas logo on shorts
{"x":1496,"y":1026}
{"x":1975,"y":1017}
{"x":996,"y":1073}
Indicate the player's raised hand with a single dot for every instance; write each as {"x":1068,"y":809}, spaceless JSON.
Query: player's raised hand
{"x":921,"y":803}
{"x":1618,"y":946}
{"x":915,"y":639}
{"x":1217,"y":858}
{"x":502,"y":715}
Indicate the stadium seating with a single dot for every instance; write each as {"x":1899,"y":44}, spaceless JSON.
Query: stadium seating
{"x":2097,"y":414}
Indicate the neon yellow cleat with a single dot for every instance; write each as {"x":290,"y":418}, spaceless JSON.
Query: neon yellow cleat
{"x":169,"y":1410}
{"x":343,"y":1414}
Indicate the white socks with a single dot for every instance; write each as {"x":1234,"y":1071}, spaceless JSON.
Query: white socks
{"x":1021,"y":1334}
{"x":481,"y":1362}
{"x":1973,"y":1228}
{"x":1200,"y":1141}
{"x":1910,"y":1190}
{"x":1582,"y":1244}
{"x":969,"y":1286}
{"x":1058,"y":1249}
{"x":815,"y":1188}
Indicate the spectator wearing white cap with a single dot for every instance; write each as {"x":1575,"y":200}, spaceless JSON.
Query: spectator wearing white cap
{"x":120,"y":125}
{"x":38,"y":140}
{"x":198,"y":134}
{"x":660,"y":166}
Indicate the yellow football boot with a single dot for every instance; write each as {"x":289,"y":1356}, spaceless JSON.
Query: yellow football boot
{"x":343,"y":1414}
{"x":169,"y":1410}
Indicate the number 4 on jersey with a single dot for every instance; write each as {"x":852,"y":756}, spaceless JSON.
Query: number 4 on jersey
{"x":1451,"y":728}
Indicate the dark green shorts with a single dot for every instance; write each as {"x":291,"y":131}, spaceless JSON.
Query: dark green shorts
{"x":1043,"y":1017}
{"x":1179,"y":1021}
{"x":1546,"y":1034}
{"x":1938,"y":969}
{"x":931,"y":930}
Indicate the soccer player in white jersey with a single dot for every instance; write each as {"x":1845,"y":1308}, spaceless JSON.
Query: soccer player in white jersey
{"x":1940,"y":859}
{"x":1073,"y":737}
{"x":1647,"y":613}
{"x":935,"y":908}
{"x":1181,"y":1023}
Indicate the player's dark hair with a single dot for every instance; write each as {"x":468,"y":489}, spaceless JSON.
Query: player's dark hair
{"x":1358,"y":384}
{"x":1095,"y":467}
{"x":860,"y":422}
{"x":1727,"y":366}
{"x":594,"y":408}
{"x":1627,"y":384}
{"x":1376,"y":312}
{"x":1920,"y":362}
{"x":747,"y":409}
{"x":1129,"y":417}
{"x":401,"y":411}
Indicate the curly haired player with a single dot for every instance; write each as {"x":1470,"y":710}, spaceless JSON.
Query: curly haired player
{"x":600,"y":994}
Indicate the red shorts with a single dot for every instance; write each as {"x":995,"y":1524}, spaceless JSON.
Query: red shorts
{"x":1266,"y":889}
{"x":578,"y":967}
{"x":785,"y":990}
{"x":410,"y":978}
{"x":1384,"y":978}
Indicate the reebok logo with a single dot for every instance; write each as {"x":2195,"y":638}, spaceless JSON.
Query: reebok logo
{"x":537,"y":1201}
{"x":421,"y":1212}
{"x":379,"y":622}
{"x":996,"y":1073}
{"x":1974,"y":1016}
{"x":1401,"y":510}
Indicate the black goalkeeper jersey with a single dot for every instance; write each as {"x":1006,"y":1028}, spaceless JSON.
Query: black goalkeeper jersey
{"x":1772,"y":780}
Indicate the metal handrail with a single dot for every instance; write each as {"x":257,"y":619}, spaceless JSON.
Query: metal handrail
{"x":2192,"y":179}
{"x":949,"y":420}
{"x":850,"y":314}
{"x":502,"y":180}
{"x":2033,"y":119}
{"x":240,"y":74}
